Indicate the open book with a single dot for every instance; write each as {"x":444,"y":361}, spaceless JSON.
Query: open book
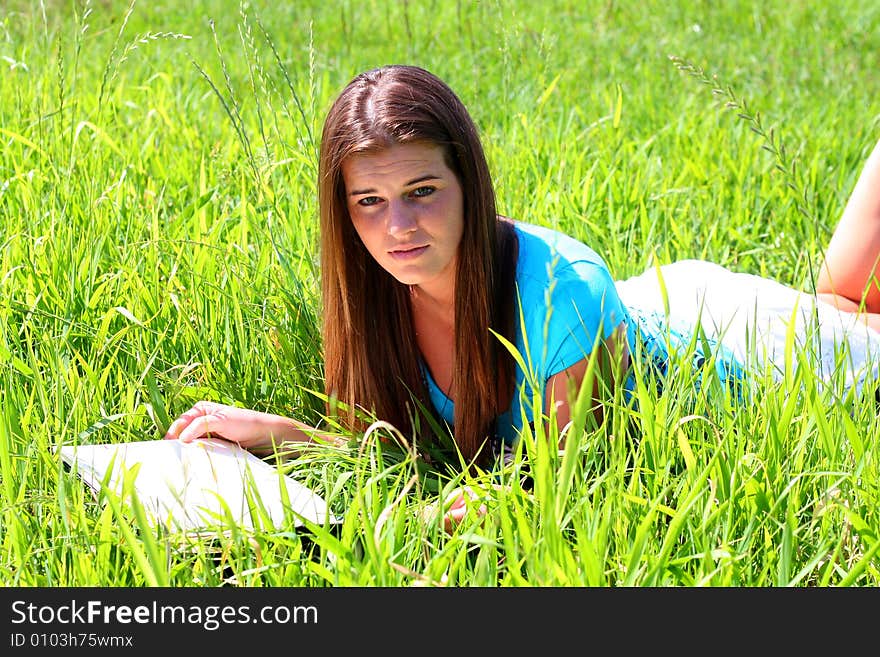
{"x":205,"y":484}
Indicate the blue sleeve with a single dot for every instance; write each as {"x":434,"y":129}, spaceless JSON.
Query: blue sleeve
{"x":584,"y":309}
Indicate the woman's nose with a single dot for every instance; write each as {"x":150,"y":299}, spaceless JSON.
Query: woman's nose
{"x":401,"y":218}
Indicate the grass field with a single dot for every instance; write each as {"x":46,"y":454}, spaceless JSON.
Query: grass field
{"x":158,"y":245}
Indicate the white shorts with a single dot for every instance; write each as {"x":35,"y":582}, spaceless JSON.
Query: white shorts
{"x":763,"y":323}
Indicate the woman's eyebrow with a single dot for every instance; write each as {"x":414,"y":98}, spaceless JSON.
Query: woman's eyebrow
{"x":414,"y":181}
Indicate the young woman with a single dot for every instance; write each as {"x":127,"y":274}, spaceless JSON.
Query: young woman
{"x":423,"y":284}
{"x":420,"y":276}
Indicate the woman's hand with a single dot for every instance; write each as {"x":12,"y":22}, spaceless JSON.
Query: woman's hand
{"x":253,"y":430}
{"x":456,"y":506}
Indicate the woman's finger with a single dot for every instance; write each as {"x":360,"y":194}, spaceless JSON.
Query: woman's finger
{"x":199,"y":409}
{"x":201,"y":426}
{"x":457,"y":510}
{"x":181,"y":423}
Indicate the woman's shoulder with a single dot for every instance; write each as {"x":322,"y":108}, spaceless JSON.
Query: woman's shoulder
{"x":567,"y":295}
{"x":546,"y":253}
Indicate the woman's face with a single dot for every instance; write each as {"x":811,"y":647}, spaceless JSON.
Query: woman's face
{"x":406,"y":205}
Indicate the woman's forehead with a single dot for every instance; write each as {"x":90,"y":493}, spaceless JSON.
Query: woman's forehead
{"x":396,"y":161}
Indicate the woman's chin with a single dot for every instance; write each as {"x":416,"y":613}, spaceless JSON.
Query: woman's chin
{"x":407,"y":277}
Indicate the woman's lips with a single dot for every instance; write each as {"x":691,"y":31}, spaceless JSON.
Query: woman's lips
{"x":408,"y":254}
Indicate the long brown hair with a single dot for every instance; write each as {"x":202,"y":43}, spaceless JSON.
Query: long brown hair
{"x":371,"y":358}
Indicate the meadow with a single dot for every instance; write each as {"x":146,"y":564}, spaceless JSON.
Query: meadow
{"x":158,"y":246}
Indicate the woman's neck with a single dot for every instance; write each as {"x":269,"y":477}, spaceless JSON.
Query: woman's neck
{"x":435,"y":297}
{"x":433,"y":320}
{"x":438,"y":305}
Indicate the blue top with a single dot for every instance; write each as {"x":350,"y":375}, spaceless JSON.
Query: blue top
{"x":566,"y":298}
{"x":568,"y":303}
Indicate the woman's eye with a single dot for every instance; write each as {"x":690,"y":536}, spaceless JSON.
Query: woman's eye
{"x":368,"y":200}
{"x":423,"y":191}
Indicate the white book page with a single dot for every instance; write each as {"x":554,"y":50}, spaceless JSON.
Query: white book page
{"x":197,"y":485}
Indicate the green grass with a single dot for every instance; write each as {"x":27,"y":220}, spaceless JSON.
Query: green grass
{"x":158,"y":246}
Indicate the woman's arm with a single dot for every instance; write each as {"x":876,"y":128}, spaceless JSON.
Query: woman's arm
{"x":258,"y":432}
{"x":612,"y":363}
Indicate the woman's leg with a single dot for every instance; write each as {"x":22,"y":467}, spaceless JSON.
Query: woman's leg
{"x":850,"y":276}
{"x":847,"y":305}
